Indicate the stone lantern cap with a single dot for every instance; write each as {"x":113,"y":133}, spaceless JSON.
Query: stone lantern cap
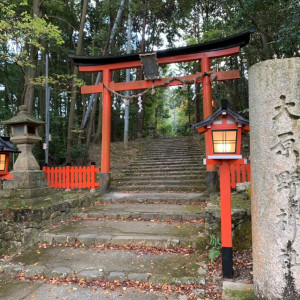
{"x":23,"y":117}
{"x":6,"y":146}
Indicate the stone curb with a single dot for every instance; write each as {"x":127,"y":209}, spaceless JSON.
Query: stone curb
{"x":88,"y":274}
{"x":237,"y":290}
{"x":144,"y":216}
{"x":93,"y":239}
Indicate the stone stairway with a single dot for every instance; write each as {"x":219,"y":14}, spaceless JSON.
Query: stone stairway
{"x":171,"y":164}
{"x":147,"y":232}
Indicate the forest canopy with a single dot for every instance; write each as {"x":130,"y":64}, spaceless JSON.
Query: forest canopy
{"x":30,"y":30}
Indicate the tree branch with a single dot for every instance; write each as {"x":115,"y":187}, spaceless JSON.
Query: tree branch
{"x":62,"y":19}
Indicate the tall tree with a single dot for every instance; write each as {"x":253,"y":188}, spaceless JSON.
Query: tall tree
{"x":79,"y":51}
{"x":26,"y":33}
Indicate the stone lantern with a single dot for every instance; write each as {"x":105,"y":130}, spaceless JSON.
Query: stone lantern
{"x":24,"y":129}
{"x":28,"y":181}
{"x":151,"y":131}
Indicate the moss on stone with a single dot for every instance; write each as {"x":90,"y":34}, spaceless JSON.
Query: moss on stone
{"x":178,"y":268}
{"x":193,"y":209}
{"x":241,"y":219}
{"x":241,"y":295}
{"x":201,"y":243}
{"x":238,"y":201}
{"x":43,"y":202}
{"x":186,"y":230}
{"x":242,"y":236}
{"x":241,"y":201}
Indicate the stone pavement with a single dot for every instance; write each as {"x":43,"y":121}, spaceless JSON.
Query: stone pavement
{"x":145,"y":231}
{"x":13,"y":289}
{"x":156,"y":234}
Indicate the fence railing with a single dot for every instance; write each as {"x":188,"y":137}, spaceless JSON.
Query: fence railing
{"x":72,"y":177}
{"x":239,"y":173}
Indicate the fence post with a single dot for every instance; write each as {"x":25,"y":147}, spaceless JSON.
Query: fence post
{"x":93,"y":176}
{"x":248,"y":168}
{"x":45,"y":169}
{"x":68,"y":177}
{"x":239,"y":173}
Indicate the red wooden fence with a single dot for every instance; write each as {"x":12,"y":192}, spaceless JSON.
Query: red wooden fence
{"x":72,"y":177}
{"x":239,"y":173}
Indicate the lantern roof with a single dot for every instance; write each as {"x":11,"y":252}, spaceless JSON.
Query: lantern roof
{"x":23,"y":117}
{"x":239,"y":39}
{"x":223,"y":109}
{"x":6,"y":145}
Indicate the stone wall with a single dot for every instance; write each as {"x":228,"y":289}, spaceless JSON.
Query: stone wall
{"x":21,"y":227}
{"x":241,"y":220}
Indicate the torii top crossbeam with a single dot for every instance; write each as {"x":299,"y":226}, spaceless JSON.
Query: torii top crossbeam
{"x":219,"y":48}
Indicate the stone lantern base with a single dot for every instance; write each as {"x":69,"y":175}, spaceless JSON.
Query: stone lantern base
{"x":26,"y":185}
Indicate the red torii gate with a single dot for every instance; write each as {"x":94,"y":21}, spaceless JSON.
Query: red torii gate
{"x":204,"y":52}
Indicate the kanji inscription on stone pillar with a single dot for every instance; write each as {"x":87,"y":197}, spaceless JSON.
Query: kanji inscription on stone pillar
{"x":274,"y":91}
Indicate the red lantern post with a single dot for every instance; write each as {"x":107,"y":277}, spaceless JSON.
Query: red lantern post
{"x":223,"y":136}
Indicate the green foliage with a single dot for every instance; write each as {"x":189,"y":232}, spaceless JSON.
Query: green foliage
{"x":168,"y":23}
{"x":215,"y":249}
{"x":20,"y":28}
{"x":242,"y":295}
{"x":62,"y":82}
{"x":80,"y":154}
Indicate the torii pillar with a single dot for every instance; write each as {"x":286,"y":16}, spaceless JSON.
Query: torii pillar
{"x":204,"y":52}
{"x":212,"y":179}
{"x":106,"y":133}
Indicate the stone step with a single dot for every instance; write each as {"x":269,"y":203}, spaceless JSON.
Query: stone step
{"x":167,"y":182}
{"x":160,"y":188}
{"x":173,"y":144}
{"x":164,"y":168}
{"x":145,"y":212}
{"x":180,"y":198}
{"x":171,"y":157}
{"x":159,"y":172}
{"x":173,"y":148}
{"x":177,"y":162}
{"x":121,"y":232}
{"x":170,"y":153}
{"x":142,"y":176}
{"x":12,"y":289}
{"x":93,"y":264}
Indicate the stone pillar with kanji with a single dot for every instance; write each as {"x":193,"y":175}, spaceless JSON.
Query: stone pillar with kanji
{"x":274,"y":102}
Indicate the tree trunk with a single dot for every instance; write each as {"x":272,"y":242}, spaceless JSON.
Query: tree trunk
{"x":266,"y":52}
{"x":91,"y":123}
{"x":28,"y":93}
{"x":97,"y":139}
{"x":79,"y":51}
{"x":114,"y":29}
{"x":140,"y":117}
